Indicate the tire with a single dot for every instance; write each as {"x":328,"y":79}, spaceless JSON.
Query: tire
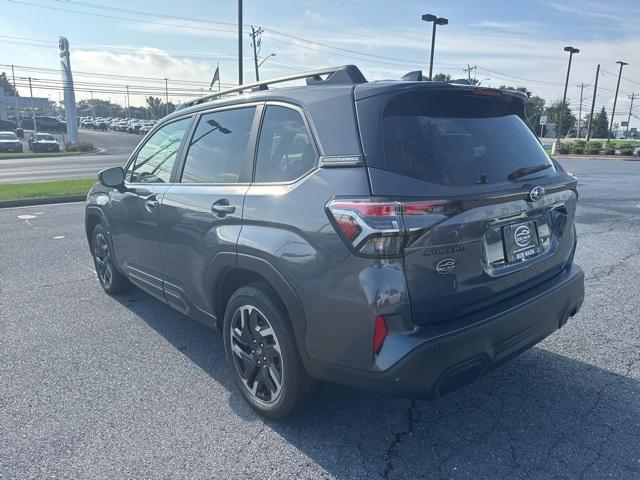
{"x":246,"y":353}
{"x":111,"y":279}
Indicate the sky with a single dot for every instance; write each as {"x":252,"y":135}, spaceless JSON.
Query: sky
{"x":518,"y":43}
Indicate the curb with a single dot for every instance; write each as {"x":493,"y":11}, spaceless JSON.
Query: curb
{"x":626,"y":158}
{"x":25,"y":202}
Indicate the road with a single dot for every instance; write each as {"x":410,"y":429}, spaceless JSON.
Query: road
{"x":95,"y":387}
{"x":116,"y":148}
{"x":56,"y":168}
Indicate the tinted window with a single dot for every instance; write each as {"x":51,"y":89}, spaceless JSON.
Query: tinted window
{"x":459,"y":139}
{"x":285,"y":151}
{"x":155,"y":159}
{"x":218,"y":148}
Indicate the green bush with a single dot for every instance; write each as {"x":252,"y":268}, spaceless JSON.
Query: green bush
{"x":594,"y":147}
{"x":79,"y":147}
{"x":609,"y":150}
{"x":626,"y":151}
{"x":579,"y":150}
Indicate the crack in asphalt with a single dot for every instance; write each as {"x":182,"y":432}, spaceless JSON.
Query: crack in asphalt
{"x":611,"y":269}
{"x":413,"y":416}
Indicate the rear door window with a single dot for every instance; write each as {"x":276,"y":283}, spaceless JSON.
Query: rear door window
{"x":219,"y":147}
{"x":285,"y":149}
{"x":460,"y":139}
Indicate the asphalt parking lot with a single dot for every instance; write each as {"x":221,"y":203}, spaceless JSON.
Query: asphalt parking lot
{"x":96,"y":387}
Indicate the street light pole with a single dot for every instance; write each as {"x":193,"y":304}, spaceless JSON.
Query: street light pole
{"x":239,"y":42}
{"x":571,"y":51}
{"x":593,"y":103}
{"x":427,"y":17}
{"x":615,"y":99}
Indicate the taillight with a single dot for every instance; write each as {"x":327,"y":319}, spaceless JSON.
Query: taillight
{"x":379,"y":334}
{"x":380,"y":228}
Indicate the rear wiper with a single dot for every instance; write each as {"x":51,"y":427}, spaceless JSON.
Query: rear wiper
{"x":524,"y":171}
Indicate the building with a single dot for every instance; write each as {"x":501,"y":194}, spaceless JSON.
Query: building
{"x":41,"y":106}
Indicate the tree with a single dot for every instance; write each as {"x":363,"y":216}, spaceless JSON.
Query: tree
{"x":9,"y":91}
{"x":533,"y":107}
{"x":99,"y":108}
{"x":442,"y":77}
{"x":568,"y":118}
{"x":154,"y":104}
{"x":600,"y":125}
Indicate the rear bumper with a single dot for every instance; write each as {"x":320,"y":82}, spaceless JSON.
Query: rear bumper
{"x":428,"y":363}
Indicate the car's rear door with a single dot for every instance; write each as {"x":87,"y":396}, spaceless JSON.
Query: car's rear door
{"x":479,"y":229}
{"x":134,"y":214}
{"x":202,"y":211}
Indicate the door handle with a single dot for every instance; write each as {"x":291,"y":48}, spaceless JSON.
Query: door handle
{"x":150,"y":202}
{"x":222,"y":208}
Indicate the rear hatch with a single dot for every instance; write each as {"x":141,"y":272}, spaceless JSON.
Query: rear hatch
{"x":505,"y":216}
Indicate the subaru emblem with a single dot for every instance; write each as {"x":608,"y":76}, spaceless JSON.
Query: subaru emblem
{"x":536,"y":193}
{"x":446,"y":266}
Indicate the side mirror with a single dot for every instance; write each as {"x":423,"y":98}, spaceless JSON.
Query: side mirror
{"x":112,"y":177}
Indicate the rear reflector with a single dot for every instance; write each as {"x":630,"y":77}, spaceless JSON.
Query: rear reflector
{"x":379,"y":334}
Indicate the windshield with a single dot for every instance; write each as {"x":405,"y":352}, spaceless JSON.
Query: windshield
{"x":8,"y":136}
{"x":45,"y":136}
{"x":460,"y":140}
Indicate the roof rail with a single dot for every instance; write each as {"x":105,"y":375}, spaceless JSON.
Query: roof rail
{"x":344,"y":74}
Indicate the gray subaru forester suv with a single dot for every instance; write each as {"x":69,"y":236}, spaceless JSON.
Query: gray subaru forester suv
{"x":400,"y":236}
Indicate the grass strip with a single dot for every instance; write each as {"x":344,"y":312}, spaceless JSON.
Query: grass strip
{"x":57,"y":188}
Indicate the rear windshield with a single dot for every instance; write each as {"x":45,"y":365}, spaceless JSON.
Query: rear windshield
{"x":8,"y":136}
{"x":45,"y":136}
{"x":460,"y":139}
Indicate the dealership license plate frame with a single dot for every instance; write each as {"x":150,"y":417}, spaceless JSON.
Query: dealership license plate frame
{"x":518,"y":251}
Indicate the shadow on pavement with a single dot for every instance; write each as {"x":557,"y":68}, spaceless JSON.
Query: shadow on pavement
{"x":542,"y":415}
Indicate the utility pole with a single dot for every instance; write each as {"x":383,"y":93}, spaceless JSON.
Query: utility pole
{"x":240,"y":43}
{"x":468,"y":70}
{"x":33,"y":115}
{"x":255,"y":36}
{"x":166,"y":93}
{"x":582,"y":85}
{"x":93,"y":107}
{"x":593,"y":103}
{"x":615,"y":99}
{"x":631,"y":97}
{"x":15,"y":96}
{"x":128,"y":104}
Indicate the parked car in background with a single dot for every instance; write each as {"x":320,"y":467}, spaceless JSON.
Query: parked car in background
{"x":402,"y":236}
{"x":9,"y":142}
{"x":8,"y":125}
{"x":47,"y":124}
{"x":146,"y":128}
{"x":43,"y":142}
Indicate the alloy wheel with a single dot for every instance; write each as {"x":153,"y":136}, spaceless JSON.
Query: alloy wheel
{"x":256,"y":354}
{"x":104,"y":264}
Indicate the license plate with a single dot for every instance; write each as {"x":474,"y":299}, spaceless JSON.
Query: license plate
{"x":521,"y":241}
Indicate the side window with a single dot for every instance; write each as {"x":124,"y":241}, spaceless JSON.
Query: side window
{"x":155,"y":160}
{"x":218,"y":148}
{"x":285,"y":150}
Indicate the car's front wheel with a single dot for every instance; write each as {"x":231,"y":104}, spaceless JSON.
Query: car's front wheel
{"x":111,"y":279}
{"x":261,"y":350}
